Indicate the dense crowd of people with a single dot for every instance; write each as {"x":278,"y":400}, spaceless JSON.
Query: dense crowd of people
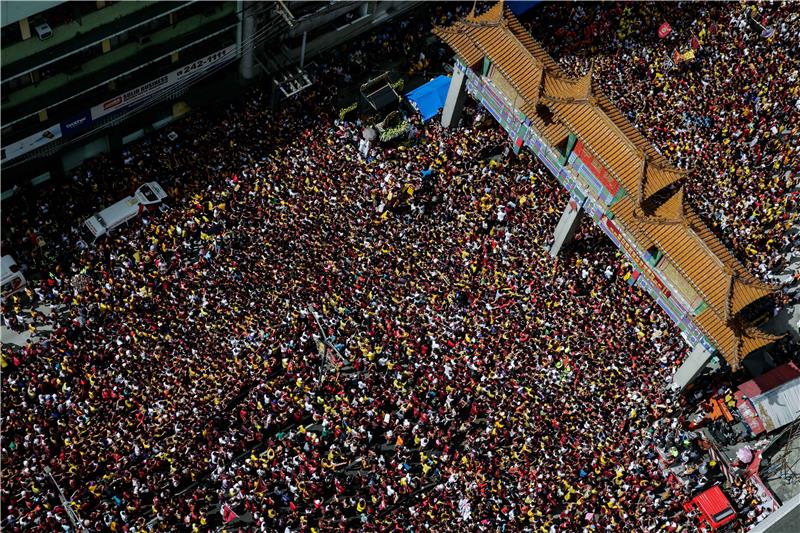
{"x":305,"y":339}
{"x":192,"y":340}
{"x":730,"y":114}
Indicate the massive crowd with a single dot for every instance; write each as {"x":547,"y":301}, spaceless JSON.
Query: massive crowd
{"x":730,"y":114}
{"x":305,"y":339}
{"x":191,"y":341}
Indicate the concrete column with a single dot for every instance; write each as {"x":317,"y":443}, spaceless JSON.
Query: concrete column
{"x":25,"y":29}
{"x":456,"y":95}
{"x":691,"y":367}
{"x":248,"y":29}
{"x":565,"y":230}
{"x":303,"y":50}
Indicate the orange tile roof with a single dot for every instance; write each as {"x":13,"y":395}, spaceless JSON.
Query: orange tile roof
{"x":487,"y":35}
{"x":577,"y":105}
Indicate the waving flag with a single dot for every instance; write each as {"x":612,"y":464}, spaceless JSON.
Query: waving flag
{"x":227,"y":514}
{"x":664,"y":30}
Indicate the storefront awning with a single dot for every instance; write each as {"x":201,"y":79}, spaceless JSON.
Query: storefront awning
{"x":518,"y":7}
{"x":428,"y":99}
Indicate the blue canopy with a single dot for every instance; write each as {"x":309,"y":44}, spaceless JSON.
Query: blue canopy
{"x":429,"y":98}
{"x":518,"y":7}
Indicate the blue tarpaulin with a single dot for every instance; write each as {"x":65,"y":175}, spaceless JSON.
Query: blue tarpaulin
{"x":428,"y":99}
{"x":518,"y":7}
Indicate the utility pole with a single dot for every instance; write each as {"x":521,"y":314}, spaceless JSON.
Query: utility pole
{"x":303,"y":50}
{"x":67,"y":505}
{"x":325,"y":340}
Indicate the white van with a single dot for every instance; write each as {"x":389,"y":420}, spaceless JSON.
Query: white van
{"x":12,"y":279}
{"x":121,"y":212}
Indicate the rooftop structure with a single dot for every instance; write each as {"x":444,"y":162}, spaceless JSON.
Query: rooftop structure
{"x":644,"y":196}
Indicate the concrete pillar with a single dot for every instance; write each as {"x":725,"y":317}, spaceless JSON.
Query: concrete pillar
{"x":179,"y":109}
{"x":25,"y":29}
{"x":248,"y":29}
{"x":565,"y":230}
{"x":456,"y":95}
{"x":691,"y":367}
{"x":303,"y":50}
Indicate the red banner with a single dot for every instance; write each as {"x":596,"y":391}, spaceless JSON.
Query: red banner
{"x":597,"y":168}
{"x":664,"y":30}
{"x":660,"y":284}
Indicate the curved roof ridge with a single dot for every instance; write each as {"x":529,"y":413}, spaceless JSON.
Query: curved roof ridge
{"x":494,"y":14}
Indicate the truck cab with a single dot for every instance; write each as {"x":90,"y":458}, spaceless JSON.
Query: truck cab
{"x":714,"y":508}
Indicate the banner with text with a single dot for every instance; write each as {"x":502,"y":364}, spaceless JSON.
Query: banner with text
{"x":84,"y":120}
{"x":32,"y":142}
{"x":77,"y":124}
{"x":182,"y":75}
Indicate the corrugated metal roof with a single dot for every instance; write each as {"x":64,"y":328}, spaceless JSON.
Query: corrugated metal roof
{"x":779,"y":406}
{"x":769,"y":380}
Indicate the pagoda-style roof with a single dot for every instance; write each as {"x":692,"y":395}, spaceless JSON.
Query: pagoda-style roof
{"x":654,"y":211}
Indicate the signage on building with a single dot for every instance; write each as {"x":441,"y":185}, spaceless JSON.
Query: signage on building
{"x":85,"y":119}
{"x":148,"y":90}
{"x":76,"y":124}
{"x":30,"y":143}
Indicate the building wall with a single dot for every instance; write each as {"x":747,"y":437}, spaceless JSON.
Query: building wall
{"x":119,"y":71}
{"x":116,"y":61}
{"x":11,"y":12}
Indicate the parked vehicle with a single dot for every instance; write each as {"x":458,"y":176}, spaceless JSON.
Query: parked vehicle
{"x":121,"y":212}
{"x":12,"y":279}
{"x":715,"y":509}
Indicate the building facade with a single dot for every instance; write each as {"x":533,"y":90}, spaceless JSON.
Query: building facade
{"x":85,"y":77}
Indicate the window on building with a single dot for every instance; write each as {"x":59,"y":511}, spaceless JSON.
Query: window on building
{"x":120,"y":40}
{"x":655,"y":255}
{"x":11,"y":34}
